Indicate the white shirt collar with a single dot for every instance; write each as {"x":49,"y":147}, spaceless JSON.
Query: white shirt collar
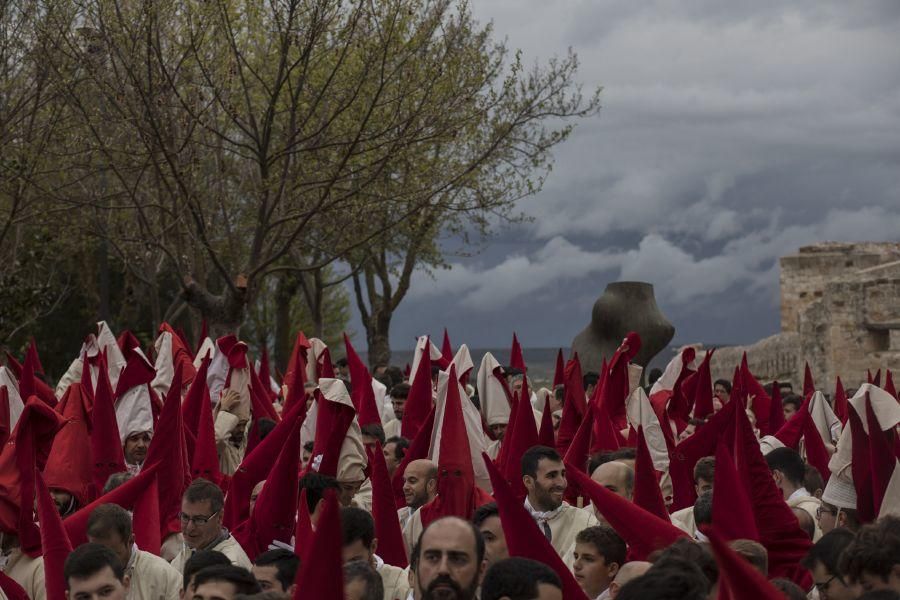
{"x":798,"y":494}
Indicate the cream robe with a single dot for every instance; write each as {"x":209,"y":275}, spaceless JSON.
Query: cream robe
{"x":493,"y":449}
{"x":684,"y":520}
{"x":27,"y":572}
{"x":403,"y":514}
{"x":229,"y":547}
{"x":395,"y":580}
{"x":229,"y":457}
{"x":152,"y":578}
{"x":392,"y":429}
{"x":565,"y":526}
{"x":810,"y":504}
{"x":412,"y":530}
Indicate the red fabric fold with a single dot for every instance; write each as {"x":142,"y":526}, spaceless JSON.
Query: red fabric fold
{"x":70,"y":464}
{"x":384,"y":511}
{"x":516,"y":358}
{"x":841,"y":405}
{"x":321,"y":574}
{"x":361,"y":393}
{"x":106,"y":445}
{"x":419,"y":401}
{"x":54,"y":542}
{"x":647,"y":494}
{"x":574,"y":405}
{"x":732,"y":515}
{"x":546,"y":435}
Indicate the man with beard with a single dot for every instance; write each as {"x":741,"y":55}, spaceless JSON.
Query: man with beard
{"x":419,"y":488}
{"x":544,"y":476}
{"x":450,"y":560}
{"x":231,"y":420}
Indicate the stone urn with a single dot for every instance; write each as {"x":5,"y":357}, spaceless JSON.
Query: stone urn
{"x":624,"y":306}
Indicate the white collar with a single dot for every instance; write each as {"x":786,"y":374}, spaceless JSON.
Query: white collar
{"x":801,"y":492}
{"x":543,"y":516}
{"x":379,"y":562}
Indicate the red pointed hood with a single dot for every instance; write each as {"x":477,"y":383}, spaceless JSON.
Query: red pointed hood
{"x":205,"y":459}
{"x":5,"y":427}
{"x":647,"y":494}
{"x":338,"y":450}
{"x":304,"y":531}
{"x":776,"y":409}
{"x":667,"y":396}
{"x":13,"y":590}
{"x":732,"y":513}
{"x":761,"y":402}
{"x":256,"y":465}
{"x":171,"y":350}
{"x":106,"y":444}
{"x":70,"y":464}
{"x":703,"y":389}
{"x":446,"y":348}
{"x":146,"y":519}
{"x":516,"y":359}
{"x":574,"y":405}
{"x":384,"y":512}
{"x":521,"y":435}
{"x":559,"y":372}
{"x":809,"y":386}
{"x":31,"y":355}
{"x":29,"y":384}
{"x":579,"y":452}
{"x":321,"y":575}
{"x":419,"y":401}
{"x":27,"y":448}
{"x":457,"y":493}
{"x":295,"y":377}
{"x":275,"y":513}
{"x":615,"y":383}
{"x":523,"y":537}
{"x":841,"y":407}
{"x":861,"y":470}
{"x":126,"y":495}
{"x":192,"y":405}
{"x":362,"y":394}
{"x":168,"y":450}
{"x":882,"y":458}
{"x":644,"y":532}
{"x":546,"y":435}
{"x":265,"y":373}
{"x":742,"y":580}
{"x":134,"y":403}
{"x":54,"y":542}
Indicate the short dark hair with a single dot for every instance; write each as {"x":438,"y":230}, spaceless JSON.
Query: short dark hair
{"x":812,"y":480}
{"x":676,"y":580}
{"x":357,"y":524}
{"x":315,"y":485}
{"x":789,"y":462}
{"x":703,"y":508}
{"x":788,"y":589}
{"x":479,"y":541}
{"x":625,"y":453}
{"x":357,"y":569}
{"x":309,"y":446}
{"x":590,"y":378}
{"x":724,"y":383}
{"x":243,"y":580}
{"x":341,"y":362}
{"x":608,"y":543}
{"x":202,"y":490}
{"x":517,"y":578}
{"x":401,"y":390}
{"x":286,"y":564}
{"x":880,"y":595}
{"x":200,"y":560}
{"x":264,"y":427}
{"x":753,"y":552}
{"x":400,"y":447}
{"x":828,"y":549}
{"x":559,"y":392}
{"x":687,"y":549}
{"x":792,"y":399}
{"x":115,"y":480}
{"x":875,"y":550}
{"x":374,"y":430}
{"x":485,"y":512}
{"x":90,"y":559}
{"x":108,"y":518}
{"x":532,"y":457}
{"x":705,"y":469}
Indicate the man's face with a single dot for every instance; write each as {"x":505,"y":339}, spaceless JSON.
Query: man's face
{"x":448,"y":564}
{"x":198,"y":534}
{"x":254,"y":495}
{"x":590,"y":569}
{"x":136,"y":446}
{"x":267,"y":576}
{"x":494,"y":540}
{"x":546,"y":489}
{"x":236,"y":436}
{"x":398,"y":404}
{"x":614,"y":477}
{"x":215,"y":590}
{"x":703,"y":485}
{"x":113,"y":541}
{"x":870,"y":582}
{"x":102,"y":584}
{"x":348,"y":491}
{"x":63,"y":501}
{"x":499,"y":430}
{"x":357,"y":551}
{"x":721,"y":393}
{"x":305,"y":455}
{"x":390,"y":456}
{"x":826,"y":516}
{"x":789,"y":410}
{"x":416,"y":486}
{"x":516,"y":386}
{"x":830,"y":588}
{"x":369,"y":441}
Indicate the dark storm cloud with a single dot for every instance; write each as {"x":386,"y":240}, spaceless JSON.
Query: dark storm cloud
{"x":730,"y":134}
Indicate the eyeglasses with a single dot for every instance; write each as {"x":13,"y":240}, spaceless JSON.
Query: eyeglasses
{"x":197,"y":521}
{"x":823,"y":585}
{"x":822,"y":510}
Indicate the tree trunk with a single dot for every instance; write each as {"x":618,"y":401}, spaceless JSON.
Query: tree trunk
{"x":378,"y":329}
{"x":224,"y":313}
{"x":285,"y":290}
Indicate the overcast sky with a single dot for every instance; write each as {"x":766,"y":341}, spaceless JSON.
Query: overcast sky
{"x":731,"y":134}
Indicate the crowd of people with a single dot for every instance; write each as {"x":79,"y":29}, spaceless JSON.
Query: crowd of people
{"x":178,"y":471}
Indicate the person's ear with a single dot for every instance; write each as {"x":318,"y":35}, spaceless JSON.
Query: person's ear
{"x":374,"y":545}
{"x":528,"y":480}
{"x":290,"y":590}
{"x":431,"y":486}
{"x":613,"y":569}
{"x":126,"y":582}
{"x":131,"y":540}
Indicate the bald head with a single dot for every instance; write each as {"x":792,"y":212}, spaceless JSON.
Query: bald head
{"x":627,"y":572}
{"x":419,"y":483}
{"x":616,"y":477}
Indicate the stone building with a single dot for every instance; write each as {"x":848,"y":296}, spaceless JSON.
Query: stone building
{"x":840,"y":311}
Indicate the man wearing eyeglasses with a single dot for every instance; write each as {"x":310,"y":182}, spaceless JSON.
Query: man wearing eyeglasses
{"x":823,"y":563}
{"x":201,"y":525}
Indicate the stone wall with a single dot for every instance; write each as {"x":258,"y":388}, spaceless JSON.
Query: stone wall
{"x":840,"y":311}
